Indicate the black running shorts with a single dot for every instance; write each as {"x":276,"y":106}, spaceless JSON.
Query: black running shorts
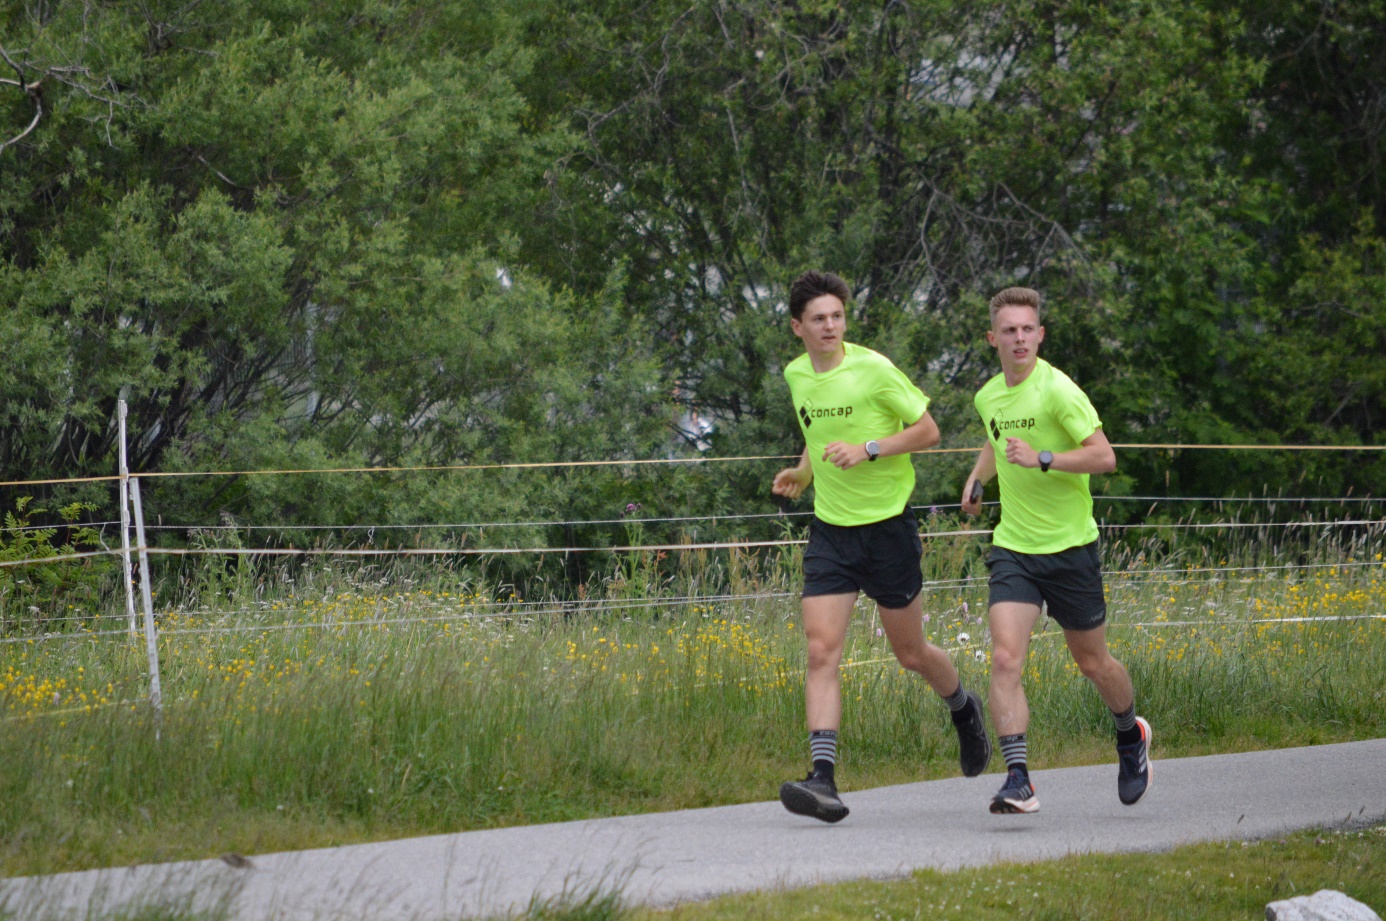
{"x":1069,"y":581}
{"x":880,"y":559}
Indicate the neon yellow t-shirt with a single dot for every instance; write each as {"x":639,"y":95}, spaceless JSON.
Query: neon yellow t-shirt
{"x":1040,"y":512}
{"x":864,"y":397}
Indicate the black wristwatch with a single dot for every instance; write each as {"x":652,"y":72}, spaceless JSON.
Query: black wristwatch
{"x":1046,"y":458}
{"x":873,"y":450}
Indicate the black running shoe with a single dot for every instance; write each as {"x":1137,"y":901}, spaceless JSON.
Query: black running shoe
{"x":1015,"y":795}
{"x":814,"y":796}
{"x":1135,"y":773}
{"x":974,"y":746}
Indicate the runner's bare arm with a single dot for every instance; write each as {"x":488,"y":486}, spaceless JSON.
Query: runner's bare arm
{"x":1094,"y":455}
{"x":918,"y":436}
{"x":982,"y":471}
{"x":792,"y":481}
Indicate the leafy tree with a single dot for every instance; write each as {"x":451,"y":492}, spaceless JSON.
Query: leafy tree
{"x":287,"y":233}
{"x":304,"y":233}
{"x":1269,"y":320}
{"x":931,"y":153}
{"x":69,"y":590}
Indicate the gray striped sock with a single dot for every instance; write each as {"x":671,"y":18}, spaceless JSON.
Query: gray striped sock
{"x":1013,"y":749}
{"x":823,"y":745}
{"x":957,"y":701}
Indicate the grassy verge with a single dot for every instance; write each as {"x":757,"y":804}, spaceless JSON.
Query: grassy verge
{"x":1205,"y":882}
{"x":343,"y":708}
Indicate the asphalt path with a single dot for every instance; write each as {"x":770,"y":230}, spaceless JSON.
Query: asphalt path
{"x":666,"y":858}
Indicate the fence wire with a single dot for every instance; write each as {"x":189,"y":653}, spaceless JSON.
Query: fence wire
{"x":77,"y":626}
{"x":1116,"y":581}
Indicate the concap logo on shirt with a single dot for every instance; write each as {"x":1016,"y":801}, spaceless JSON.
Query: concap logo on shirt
{"x":808,"y":412}
{"x":1007,"y":424}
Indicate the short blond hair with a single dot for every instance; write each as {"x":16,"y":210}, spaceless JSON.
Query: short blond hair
{"x":1016,"y":297}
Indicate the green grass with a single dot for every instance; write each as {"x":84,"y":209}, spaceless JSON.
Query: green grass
{"x":1205,"y":882}
{"x":408,"y":701}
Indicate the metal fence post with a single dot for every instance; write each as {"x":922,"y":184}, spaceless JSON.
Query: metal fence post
{"x":125,"y":521}
{"x":150,"y":639}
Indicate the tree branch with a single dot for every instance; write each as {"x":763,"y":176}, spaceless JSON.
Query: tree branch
{"x":29,"y":89}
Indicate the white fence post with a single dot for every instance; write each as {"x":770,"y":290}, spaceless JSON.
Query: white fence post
{"x":125,"y":521}
{"x":156,"y":697}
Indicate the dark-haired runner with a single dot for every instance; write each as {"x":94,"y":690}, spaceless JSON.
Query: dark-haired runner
{"x":860,"y":417}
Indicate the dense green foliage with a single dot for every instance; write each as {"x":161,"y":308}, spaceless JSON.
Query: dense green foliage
{"x":304,"y":233}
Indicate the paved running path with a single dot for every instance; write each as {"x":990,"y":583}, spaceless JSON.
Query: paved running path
{"x":681,"y":856}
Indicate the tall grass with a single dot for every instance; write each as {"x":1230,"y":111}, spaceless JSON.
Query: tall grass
{"x":311,"y":706}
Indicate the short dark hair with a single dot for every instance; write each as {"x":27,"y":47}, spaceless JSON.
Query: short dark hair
{"x":1016,"y":297}
{"x":814,"y":284}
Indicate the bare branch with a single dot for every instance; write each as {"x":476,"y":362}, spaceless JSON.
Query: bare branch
{"x":29,"y":89}
{"x":23,"y":84}
{"x":38,"y":114}
{"x":222,"y":176}
{"x":103,"y":90}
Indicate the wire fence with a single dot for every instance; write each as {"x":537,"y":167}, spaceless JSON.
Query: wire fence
{"x":956,"y":643}
{"x":251,"y":619}
{"x":262,"y":617}
{"x":1118,"y":581}
{"x":422,"y":526}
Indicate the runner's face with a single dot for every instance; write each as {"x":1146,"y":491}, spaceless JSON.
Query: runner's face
{"x":1016,"y":335}
{"x":822,"y":326}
